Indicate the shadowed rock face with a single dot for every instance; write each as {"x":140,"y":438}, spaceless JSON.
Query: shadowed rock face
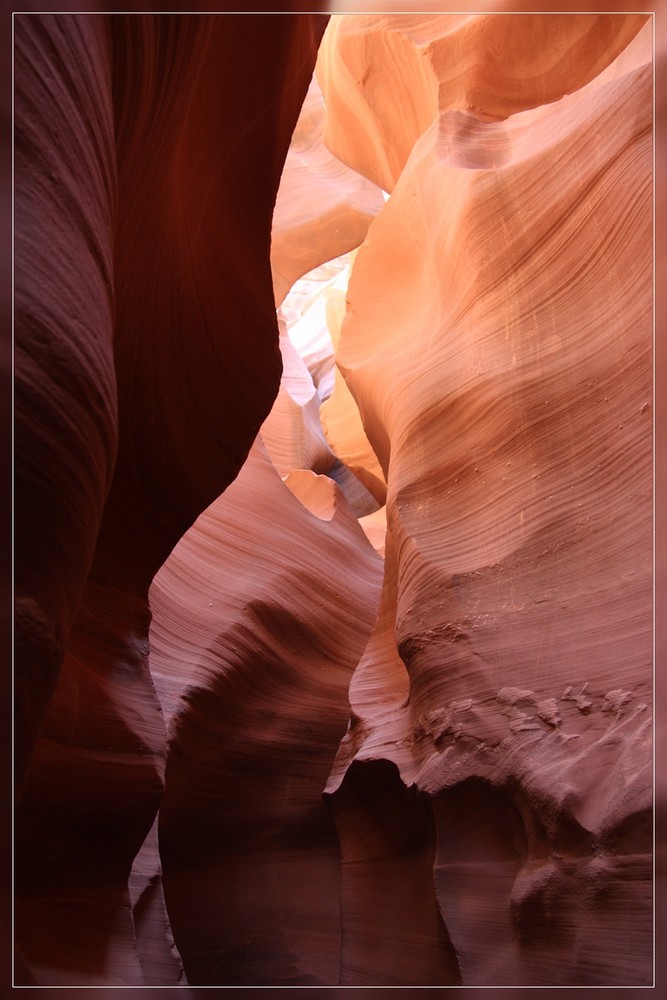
{"x":65,"y":384}
{"x":253,"y":748}
{"x":387,"y":843}
{"x":262,"y":650}
{"x":145,"y":191}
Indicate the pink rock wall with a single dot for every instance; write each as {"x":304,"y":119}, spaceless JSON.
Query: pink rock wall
{"x":508,"y":678}
{"x":253,"y":748}
{"x":259,"y":630}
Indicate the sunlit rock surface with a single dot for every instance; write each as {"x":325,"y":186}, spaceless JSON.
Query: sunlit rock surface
{"x":489,"y":66}
{"x":500,"y":354}
{"x":333,"y":659}
{"x":323,"y":208}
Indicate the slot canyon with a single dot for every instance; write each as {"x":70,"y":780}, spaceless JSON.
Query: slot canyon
{"x":333,"y":499}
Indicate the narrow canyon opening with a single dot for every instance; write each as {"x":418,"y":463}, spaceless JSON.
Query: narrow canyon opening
{"x":333,"y":655}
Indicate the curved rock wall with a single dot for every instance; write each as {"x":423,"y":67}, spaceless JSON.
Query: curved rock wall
{"x":334,"y":677}
{"x":64,"y":379}
{"x":174,"y":108}
{"x":491,"y":66}
{"x":259,"y":630}
{"x":500,"y":355}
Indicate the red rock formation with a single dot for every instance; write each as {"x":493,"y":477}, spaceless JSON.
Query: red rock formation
{"x":258,"y":631}
{"x":198,"y":169}
{"x":64,"y":379}
{"x":429,"y":771}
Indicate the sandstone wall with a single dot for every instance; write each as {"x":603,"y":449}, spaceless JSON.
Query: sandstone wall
{"x":333,"y":660}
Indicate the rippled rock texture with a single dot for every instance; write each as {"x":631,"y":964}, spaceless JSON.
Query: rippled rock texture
{"x":334,"y":608}
{"x":149,"y":154}
{"x":500,"y":354}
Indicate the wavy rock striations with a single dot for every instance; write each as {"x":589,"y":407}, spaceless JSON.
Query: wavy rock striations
{"x":256,"y":634}
{"x":64,"y":380}
{"x":500,"y":355}
{"x":385,"y":78}
{"x":172,"y":140}
{"x":333,"y":658}
{"x":323,"y":208}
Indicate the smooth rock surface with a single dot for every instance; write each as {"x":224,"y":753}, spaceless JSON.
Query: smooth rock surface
{"x":334,"y":595}
{"x":323,"y":208}
{"x":500,"y":354}
{"x":166,"y":147}
{"x":255,"y":636}
{"x":488,"y":66}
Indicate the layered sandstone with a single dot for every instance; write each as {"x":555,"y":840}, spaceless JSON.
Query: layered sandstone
{"x":166,"y":148}
{"x":323,"y":208}
{"x":500,"y":354}
{"x":258,"y":625}
{"x":389,"y":724}
{"x":490,"y":66}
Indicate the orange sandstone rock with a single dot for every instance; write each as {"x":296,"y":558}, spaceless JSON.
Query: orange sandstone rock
{"x":385,"y":77}
{"x":428,"y":770}
{"x":500,"y":354}
{"x":323,"y":208}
